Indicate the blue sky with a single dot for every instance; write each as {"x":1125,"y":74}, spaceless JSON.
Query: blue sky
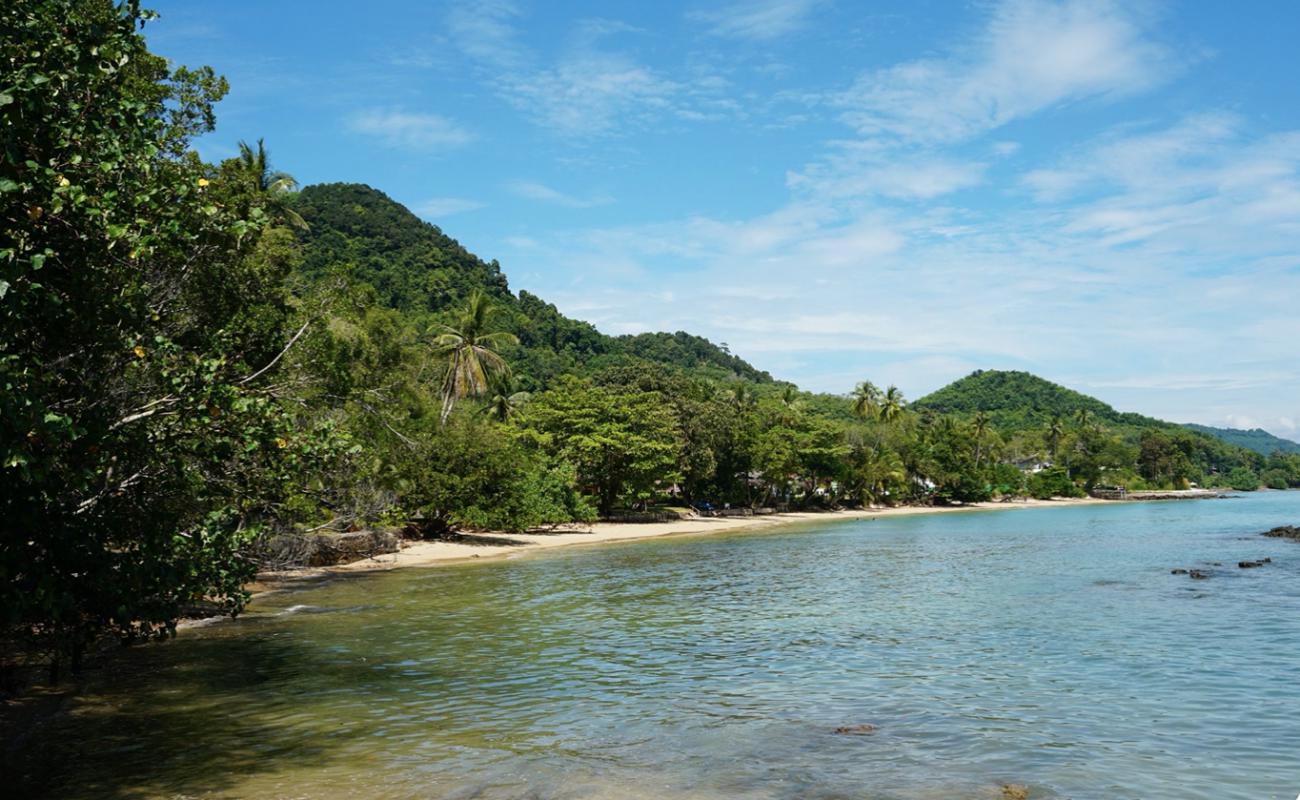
{"x":1105,"y":194}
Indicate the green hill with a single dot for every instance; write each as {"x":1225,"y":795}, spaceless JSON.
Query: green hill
{"x":1258,"y":440}
{"x":1018,"y":402}
{"x":1013,"y":399}
{"x":364,"y":236}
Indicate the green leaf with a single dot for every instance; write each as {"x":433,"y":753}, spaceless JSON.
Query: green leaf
{"x":4,"y":288}
{"x":6,"y":99}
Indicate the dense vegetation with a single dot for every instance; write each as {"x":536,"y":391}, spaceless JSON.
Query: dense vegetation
{"x":1258,"y":439}
{"x":199,"y":360}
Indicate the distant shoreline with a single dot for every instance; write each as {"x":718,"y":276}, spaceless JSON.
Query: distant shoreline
{"x":500,"y":546}
{"x":495,"y":546}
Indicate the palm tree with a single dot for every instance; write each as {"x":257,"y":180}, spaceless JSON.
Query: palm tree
{"x":505,"y":406}
{"x":1055,"y":430}
{"x":742,"y":397}
{"x":1082,"y":416}
{"x":866,"y":400}
{"x":980,"y":427}
{"x":274,"y":187}
{"x":471,"y":353}
{"x":891,"y":405}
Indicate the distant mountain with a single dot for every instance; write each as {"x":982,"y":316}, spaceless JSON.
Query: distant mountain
{"x":1018,"y":401}
{"x":1013,"y":398}
{"x":1259,"y":440}
{"x":413,"y":267}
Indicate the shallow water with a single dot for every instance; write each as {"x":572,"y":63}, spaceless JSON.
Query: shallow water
{"x":1045,"y":647}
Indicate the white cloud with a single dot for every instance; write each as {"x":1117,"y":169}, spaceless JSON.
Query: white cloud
{"x":759,"y":20}
{"x":412,"y":131}
{"x":1032,"y":56}
{"x":485,"y":31}
{"x":437,"y":207}
{"x":531,"y":190}
{"x":591,"y":94}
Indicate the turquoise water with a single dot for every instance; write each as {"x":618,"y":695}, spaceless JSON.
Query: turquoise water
{"x":1050,"y":648}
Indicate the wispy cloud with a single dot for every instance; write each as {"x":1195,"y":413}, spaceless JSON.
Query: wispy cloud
{"x":591,"y":93}
{"x":1031,"y":56}
{"x":413,"y":131}
{"x":531,"y":190}
{"x":485,"y":31}
{"x":438,"y":207}
{"x":758,"y":20}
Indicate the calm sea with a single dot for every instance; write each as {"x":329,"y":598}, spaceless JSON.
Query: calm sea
{"x":1047,"y":648}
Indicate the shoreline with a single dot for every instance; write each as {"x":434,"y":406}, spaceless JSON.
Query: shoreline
{"x":500,"y":546}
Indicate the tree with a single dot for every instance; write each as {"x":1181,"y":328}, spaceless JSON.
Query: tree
{"x":470,"y":350}
{"x":892,"y":405}
{"x":623,"y":442}
{"x":271,"y":186}
{"x":505,"y":405}
{"x":1054,"y":432}
{"x":979,"y":427}
{"x":142,"y":446}
{"x":866,"y":400}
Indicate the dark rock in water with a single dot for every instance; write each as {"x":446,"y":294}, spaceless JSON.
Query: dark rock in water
{"x":1179,"y":571}
{"x":1253,"y":564}
{"x":1014,"y":791}
{"x":864,"y":729}
{"x":1198,"y":575}
{"x":1284,"y":532}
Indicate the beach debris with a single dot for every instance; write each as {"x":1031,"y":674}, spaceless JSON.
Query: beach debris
{"x":1253,"y":564}
{"x":865,"y":729}
{"x":1284,"y":532}
{"x":1014,"y":791}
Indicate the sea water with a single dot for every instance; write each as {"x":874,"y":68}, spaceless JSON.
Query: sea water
{"x":1046,"y":648}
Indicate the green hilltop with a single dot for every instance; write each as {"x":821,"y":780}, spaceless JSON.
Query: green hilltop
{"x":1257,"y":439}
{"x":363,"y":236}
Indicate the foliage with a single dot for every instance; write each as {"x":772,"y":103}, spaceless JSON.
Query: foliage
{"x":623,"y":443}
{"x":141,"y":311}
{"x":1258,"y":439}
{"x":1242,"y":479}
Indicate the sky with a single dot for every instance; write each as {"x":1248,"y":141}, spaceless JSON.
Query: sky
{"x":1103,"y":194}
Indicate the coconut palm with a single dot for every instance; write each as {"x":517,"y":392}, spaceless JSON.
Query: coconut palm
{"x":1055,"y":431}
{"x":505,"y":406}
{"x":470,"y":350}
{"x":866,"y":400}
{"x":741,"y":397}
{"x":273,"y":186}
{"x":891,"y":405}
{"x":980,"y":427}
{"x":1082,"y":416}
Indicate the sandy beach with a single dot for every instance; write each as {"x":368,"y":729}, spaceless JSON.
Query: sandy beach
{"x":501,"y":545}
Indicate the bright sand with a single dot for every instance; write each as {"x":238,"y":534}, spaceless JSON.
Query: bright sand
{"x":500,"y":545}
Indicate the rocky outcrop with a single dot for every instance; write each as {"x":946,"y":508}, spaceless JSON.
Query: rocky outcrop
{"x":1284,"y":532}
{"x":295,"y":550}
{"x":863,"y":729}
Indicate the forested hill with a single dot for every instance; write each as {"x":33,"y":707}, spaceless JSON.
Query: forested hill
{"x":360,"y":233}
{"x":1012,"y":399}
{"x":1258,"y":439}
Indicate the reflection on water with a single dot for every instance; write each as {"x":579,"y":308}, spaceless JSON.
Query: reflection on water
{"x":1050,"y":648}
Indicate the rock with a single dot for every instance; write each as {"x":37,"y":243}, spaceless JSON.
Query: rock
{"x":1198,"y":575}
{"x":1253,"y":564}
{"x":343,"y":548}
{"x":1014,"y":791}
{"x":1284,"y":532}
{"x":1179,"y":571}
{"x":865,"y":729}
